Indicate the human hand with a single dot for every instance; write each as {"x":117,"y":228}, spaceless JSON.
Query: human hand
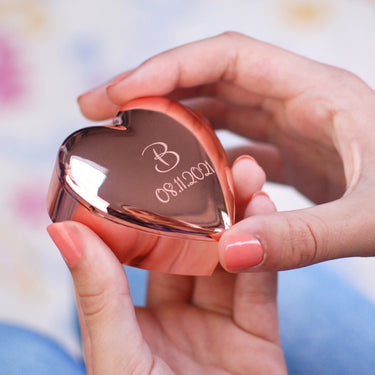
{"x":313,"y":129}
{"x":223,"y":324}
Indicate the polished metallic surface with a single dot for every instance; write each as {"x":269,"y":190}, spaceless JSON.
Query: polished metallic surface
{"x":155,"y":185}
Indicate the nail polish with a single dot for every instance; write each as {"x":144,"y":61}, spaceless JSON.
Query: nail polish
{"x":243,"y":252}
{"x":67,"y":241}
{"x":154,"y":184}
{"x":261,"y":193}
{"x":245,"y":157}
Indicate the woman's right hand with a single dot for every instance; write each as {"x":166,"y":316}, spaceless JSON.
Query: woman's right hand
{"x":222,"y":324}
{"x":313,"y":127}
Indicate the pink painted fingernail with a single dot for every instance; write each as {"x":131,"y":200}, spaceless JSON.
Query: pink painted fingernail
{"x":243,"y":252}
{"x":68,"y":241}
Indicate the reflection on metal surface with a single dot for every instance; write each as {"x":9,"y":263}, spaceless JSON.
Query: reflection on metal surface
{"x":86,"y":177}
{"x":87,"y":174}
{"x":157,"y":191}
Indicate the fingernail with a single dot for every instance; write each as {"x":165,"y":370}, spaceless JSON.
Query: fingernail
{"x":243,"y":252}
{"x":261,"y":192}
{"x":84,"y":94}
{"x":244,"y":157}
{"x":68,"y":241}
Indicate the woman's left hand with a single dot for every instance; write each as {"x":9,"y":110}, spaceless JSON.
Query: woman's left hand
{"x":223,"y":324}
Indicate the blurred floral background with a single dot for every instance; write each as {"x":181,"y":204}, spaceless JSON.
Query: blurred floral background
{"x":51,"y":51}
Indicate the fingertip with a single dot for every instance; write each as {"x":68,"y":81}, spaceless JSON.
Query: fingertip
{"x":247,"y":174}
{"x":240,"y":248}
{"x":259,"y":204}
{"x":79,"y":246}
{"x":248,"y":178}
{"x":240,"y":252}
{"x":244,"y":157}
{"x":95,"y":104}
{"x":67,"y":238}
{"x":93,"y":265}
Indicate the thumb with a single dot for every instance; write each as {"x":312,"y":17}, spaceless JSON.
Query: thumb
{"x":112,"y":340}
{"x":294,"y":239}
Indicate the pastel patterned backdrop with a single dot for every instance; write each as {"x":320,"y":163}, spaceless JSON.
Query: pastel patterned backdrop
{"x":51,"y":51}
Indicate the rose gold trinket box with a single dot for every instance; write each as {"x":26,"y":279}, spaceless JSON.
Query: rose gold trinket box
{"x":155,"y":185}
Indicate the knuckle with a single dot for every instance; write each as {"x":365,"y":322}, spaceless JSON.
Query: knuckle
{"x":93,"y":303}
{"x":345,"y":85}
{"x":341,"y":74}
{"x":232,"y":34}
{"x":307,"y":240}
{"x":100,"y":302}
{"x":235,"y":42}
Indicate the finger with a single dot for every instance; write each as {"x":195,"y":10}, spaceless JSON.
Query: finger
{"x":164,"y":288}
{"x":248,"y":178}
{"x":250,"y":64}
{"x":248,"y":122}
{"x":95,"y":104}
{"x":245,"y":171}
{"x":299,"y":238}
{"x":227,"y":92}
{"x":85,"y":339}
{"x":216,"y":292}
{"x":259,"y":204}
{"x":255,"y":304}
{"x":246,"y":248}
{"x":105,"y":302}
{"x":254,"y":124}
{"x":267,"y":156}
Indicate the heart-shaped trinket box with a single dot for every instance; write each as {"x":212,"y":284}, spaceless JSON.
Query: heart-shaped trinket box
{"x":155,"y":185}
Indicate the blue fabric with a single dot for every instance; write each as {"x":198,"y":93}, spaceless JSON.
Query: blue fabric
{"x":327,"y":327}
{"x":24,"y":352}
{"x":137,"y":282}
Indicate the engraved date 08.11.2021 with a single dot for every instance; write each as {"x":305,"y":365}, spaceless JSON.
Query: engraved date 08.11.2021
{"x":184,"y":181}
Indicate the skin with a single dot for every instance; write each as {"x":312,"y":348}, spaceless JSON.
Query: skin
{"x":223,"y":324}
{"x":311,"y":127}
